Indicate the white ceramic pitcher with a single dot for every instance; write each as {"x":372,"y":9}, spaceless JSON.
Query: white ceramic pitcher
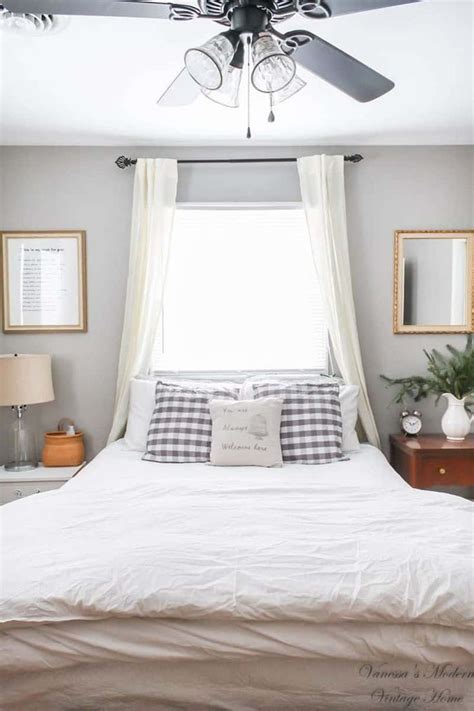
{"x":456,"y":422}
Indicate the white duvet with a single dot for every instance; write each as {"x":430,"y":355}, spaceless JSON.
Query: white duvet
{"x":345,"y":542}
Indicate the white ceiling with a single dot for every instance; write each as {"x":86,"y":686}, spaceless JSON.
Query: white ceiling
{"x":96,"y":82}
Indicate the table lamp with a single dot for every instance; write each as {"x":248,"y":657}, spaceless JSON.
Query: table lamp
{"x":24,"y":380}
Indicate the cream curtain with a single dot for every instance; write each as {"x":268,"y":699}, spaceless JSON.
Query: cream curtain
{"x":154,"y":202}
{"x":322,"y":190}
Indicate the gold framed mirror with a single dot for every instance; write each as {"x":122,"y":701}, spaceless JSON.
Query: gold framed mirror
{"x":433,"y":287}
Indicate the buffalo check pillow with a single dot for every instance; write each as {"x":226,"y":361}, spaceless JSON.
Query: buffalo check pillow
{"x":311,"y":422}
{"x":181,"y":427}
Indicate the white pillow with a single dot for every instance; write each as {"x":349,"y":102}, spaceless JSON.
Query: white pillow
{"x":140,"y":412}
{"x":246,"y":432}
{"x":348,"y":397}
{"x":142,"y":405}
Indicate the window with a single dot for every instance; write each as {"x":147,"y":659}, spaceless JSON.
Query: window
{"x":241,"y":293}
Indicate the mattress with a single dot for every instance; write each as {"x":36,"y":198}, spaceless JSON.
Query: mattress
{"x":142,"y":585}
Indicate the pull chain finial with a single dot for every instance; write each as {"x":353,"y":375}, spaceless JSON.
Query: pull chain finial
{"x":249,"y":42}
{"x":271,"y":115}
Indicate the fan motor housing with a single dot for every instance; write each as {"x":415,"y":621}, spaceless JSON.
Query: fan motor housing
{"x":249,"y":19}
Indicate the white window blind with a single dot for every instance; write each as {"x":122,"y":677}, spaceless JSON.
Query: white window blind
{"x":241,"y":293}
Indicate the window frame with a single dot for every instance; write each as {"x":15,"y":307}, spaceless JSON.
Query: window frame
{"x":244,"y":373}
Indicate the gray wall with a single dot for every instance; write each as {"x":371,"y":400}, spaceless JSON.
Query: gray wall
{"x":80,"y":188}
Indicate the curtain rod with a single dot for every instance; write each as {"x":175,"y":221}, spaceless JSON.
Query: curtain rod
{"x":124,"y":162}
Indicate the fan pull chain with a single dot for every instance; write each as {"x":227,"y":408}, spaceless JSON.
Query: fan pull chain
{"x":249,"y":132}
{"x":271,"y":115}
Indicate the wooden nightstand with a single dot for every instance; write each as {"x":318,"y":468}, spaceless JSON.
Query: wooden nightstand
{"x":432,"y":460}
{"x":16,"y":485}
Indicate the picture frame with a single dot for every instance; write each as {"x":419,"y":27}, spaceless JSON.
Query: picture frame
{"x":438,"y":276}
{"x":44,"y":279}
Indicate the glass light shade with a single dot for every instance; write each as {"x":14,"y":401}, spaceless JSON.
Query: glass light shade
{"x":206,"y":64}
{"x":228,"y":93}
{"x":272,"y":68}
{"x":295,"y":85}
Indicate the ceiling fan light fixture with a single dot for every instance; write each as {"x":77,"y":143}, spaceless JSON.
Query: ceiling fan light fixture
{"x":206,"y":64}
{"x":228,"y":93}
{"x":272,"y":70}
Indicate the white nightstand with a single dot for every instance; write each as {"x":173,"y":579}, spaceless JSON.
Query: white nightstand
{"x":16,"y":485}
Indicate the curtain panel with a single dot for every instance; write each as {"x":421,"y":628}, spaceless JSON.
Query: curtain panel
{"x":154,"y":204}
{"x":323,"y":194}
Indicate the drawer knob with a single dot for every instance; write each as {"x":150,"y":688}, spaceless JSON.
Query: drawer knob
{"x":442,"y":470}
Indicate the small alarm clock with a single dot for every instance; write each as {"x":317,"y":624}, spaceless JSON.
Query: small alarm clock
{"x":411,"y":423}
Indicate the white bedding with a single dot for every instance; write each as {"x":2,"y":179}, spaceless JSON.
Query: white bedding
{"x":137,"y":561}
{"x":347,"y":541}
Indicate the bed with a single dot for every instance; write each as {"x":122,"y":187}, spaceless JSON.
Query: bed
{"x":164,"y":586}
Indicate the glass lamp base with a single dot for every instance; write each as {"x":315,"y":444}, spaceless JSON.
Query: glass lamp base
{"x":21,"y":445}
{"x":20,"y":466}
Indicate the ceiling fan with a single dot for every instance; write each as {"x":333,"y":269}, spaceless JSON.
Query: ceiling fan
{"x":251,"y":42}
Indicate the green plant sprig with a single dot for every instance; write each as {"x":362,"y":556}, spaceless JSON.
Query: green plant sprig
{"x":446,"y":374}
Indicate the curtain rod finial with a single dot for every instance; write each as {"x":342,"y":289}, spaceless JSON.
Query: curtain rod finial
{"x":122,"y":162}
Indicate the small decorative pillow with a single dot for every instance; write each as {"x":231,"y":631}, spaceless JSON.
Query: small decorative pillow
{"x":180,"y":429}
{"x":311,"y":423}
{"x":246,"y":433}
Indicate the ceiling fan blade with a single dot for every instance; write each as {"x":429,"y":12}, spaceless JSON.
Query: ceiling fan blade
{"x":105,"y":8}
{"x":342,"y":71}
{"x":347,"y":7}
{"x":182,"y":91}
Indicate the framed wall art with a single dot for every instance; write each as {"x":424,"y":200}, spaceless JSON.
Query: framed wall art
{"x":433,"y":289}
{"x":44,"y":281}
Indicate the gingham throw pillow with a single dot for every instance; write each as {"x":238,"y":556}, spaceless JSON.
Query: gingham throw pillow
{"x":181,"y":427}
{"x":311,"y":422}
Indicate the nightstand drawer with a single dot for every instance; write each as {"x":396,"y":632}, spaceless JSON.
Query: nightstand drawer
{"x":430,"y":461}
{"x":446,"y":471}
{"x":20,"y":489}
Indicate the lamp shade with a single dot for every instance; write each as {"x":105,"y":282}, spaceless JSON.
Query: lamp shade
{"x":228,"y":93}
{"x":206,"y":64}
{"x":295,"y":85}
{"x":25,"y":379}
{"x":272,"y":68}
